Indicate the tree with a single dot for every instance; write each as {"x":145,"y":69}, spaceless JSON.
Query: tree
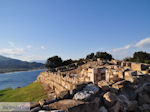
{"x":147,"y":61}
{"x":53,"y":62}
{"x":128,"y":59}
{"x":141,"y":57}
{"x":103,"y":55}
{"x":67,"y":62}
{"x":90,"y":56}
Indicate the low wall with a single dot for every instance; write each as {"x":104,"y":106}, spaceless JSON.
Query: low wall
{"x":59,"y":82}
{"x":62,"y":81}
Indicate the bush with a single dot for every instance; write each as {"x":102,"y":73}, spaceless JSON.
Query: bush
{"x":128,"y":59}
{"x":67,"y":62}
{"x":147,"y":61}
{"x":54,"y":62}
{"x":90,"y":56}
{"x":140,"y":57}
{"x":103,"y":55}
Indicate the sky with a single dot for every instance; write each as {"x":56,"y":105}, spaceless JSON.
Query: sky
{"x":38,"y":29}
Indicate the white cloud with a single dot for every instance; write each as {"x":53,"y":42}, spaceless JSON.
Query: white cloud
{"x":120,"y":49}
{"x":145,"y":43}
{"x":32,"y":57}
{"x":128,"y":50}
{"x":16,"y":51}
{"x":43,"y":47}
{"x":11,"y":44}
{"x":29,"y":46}
{"x":22,"y":53}
{"x":120,"y":53}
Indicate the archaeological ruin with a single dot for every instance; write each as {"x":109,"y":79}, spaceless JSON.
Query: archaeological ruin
{"x":99,"y":86}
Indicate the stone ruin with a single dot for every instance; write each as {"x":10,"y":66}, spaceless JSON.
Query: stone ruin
{"x":66,"y":78}
{"x":69,"y":79}
{"x":119,"y":84}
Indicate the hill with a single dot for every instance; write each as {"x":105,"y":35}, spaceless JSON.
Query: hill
{"x":11,"y":65}
{"x":39,"y":61}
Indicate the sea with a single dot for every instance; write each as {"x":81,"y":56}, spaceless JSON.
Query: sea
{"x":18,"y":79}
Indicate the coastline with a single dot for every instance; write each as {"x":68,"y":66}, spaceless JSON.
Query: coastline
{"x":18,"y":79}
{"x":22,"y":71}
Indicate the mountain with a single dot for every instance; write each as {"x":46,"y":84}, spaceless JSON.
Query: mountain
{"x":39,"y":61}
{"x":11,"y":65}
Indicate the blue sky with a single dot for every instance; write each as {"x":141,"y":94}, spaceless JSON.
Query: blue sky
{"x":38,"y":29}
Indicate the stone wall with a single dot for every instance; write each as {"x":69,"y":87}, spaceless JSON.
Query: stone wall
{"x":69,"y":80}
{"x":61,"y":82}
{"x":138,"y":66}
{"x":94,"y":74}
{"x":93,"y":71}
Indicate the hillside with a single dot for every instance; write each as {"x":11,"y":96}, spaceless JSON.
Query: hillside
{"x":32,"y":92}
{"x":10,"y":65}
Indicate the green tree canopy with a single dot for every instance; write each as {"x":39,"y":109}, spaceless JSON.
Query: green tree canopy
{"x":90,"y":56}
{"x":103,"y":55}
{"x":128,"y":59}
{"x":141,"y":57}
{"x":54,"y":62}
{"x":67,"y":62}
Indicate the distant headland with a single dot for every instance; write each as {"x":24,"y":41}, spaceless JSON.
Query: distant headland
{"x":14,"y":65}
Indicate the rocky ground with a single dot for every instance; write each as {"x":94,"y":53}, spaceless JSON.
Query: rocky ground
{"x":120,"y":96}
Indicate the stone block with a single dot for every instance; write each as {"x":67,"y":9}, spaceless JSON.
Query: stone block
{"x":102,"y":109}
{"x":130,"y":75}
{"x":138,"y":66}
{"x":123,"y":64}
{"x":104,"y":85}
{"x":120,"y":74}
{"x":145,"y":71}
{"x":86,"y":93}
{"x":65,"y":104}
{"x":116,"y":67}
{"x":107,"y":75}
{"x":109,"y":98}
{"x":125,"y":104}
{"x":128,"y":64}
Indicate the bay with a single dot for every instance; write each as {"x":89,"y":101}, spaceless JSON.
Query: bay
{"x":18,"y":79}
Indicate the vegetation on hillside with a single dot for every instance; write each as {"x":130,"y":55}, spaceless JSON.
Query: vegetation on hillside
{"x":56,"y":61}
{"x":33,"y":92}
{"x":101,"y":55}
{"x":140,"y":57}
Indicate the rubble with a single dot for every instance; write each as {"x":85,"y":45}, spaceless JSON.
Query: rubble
{"x":97,"y":86}
{"x":104,"y":85}
{"x":103,"y":109}
{"x":86,"y":93}
{"x":109,"y":99}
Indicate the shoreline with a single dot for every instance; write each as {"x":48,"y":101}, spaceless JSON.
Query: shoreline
{"x":22,"y":71}
{"x":17,"y":74}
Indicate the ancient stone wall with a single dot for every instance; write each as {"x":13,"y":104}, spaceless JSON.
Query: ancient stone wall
{"x":68,"y":80}
{"x":61,"y":82}
{"x":92,"y":71}
{"x":138,"y":66}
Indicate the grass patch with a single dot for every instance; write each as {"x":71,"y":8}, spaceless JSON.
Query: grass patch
{"x":33,"y":92}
